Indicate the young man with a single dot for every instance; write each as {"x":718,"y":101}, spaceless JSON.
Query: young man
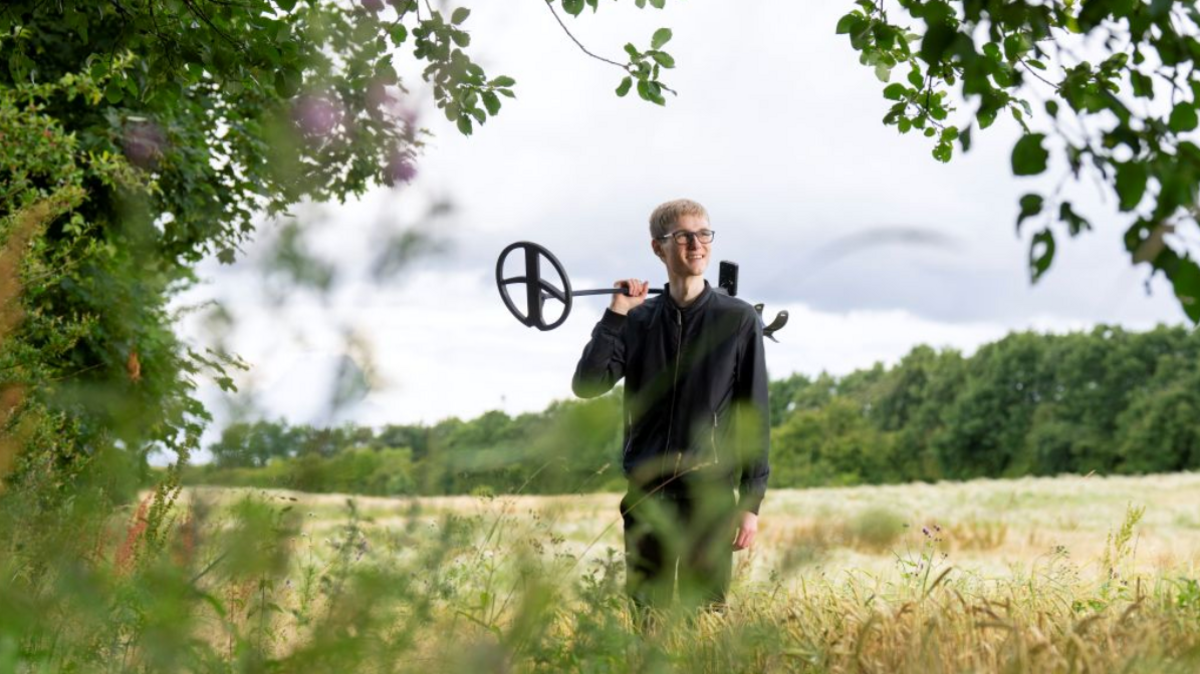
{"x":696,"y":421}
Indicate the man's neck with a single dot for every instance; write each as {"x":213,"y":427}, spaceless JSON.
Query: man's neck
{"x":685,"y":289}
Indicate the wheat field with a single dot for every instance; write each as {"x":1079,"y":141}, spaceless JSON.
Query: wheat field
{"x":1067,"y":574}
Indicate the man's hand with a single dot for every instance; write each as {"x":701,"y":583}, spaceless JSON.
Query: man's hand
{"x":743,"y":538}
{"x":622,"y":303}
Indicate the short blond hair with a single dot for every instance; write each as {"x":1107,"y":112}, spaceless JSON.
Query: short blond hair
{"x":665,"y":217}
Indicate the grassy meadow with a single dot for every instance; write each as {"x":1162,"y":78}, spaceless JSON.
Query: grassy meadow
{"x":1067,"y":574}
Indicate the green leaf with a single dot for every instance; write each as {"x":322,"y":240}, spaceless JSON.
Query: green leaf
{"x":634,"y":54}
{"x":964,"y":139}
{"x":1183,"y":118}
{"x":943,"y":151}
{"x":849,"y":23}
{"x":936,"y":41}
{"x":460,"y":15}
{"x":113,"y":93}
{"x":895,"y":91}
{"x":986,"y":118}
{"x":1185,"y":278}
{"x":1028,"y":156}
{"x":658,"y":4}
{"x":1132,"y":177}
{"x":655,"y":90}
{"x":663,"y":59}
{"x":503,"y":81}
{"x":1075,"y":223}
{"x":1031,"y":205}
{"x":399,"y":34}
{"x":661,"y":37}
{"x":286,"y":5}
{"x":643,"y":89}
{"x":288,"y":82}
{"x":573,"y":7}
{"x":464,"y":125}
{"x":1143,"y":86}
{"x":492,"y":102}
{"x":623,"y":87}
{"x":1041,"y":254}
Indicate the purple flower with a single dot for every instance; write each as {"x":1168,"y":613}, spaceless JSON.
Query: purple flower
{"x":317,"y":115}
{"x":399,"y":170}
{"x":143,"y":142}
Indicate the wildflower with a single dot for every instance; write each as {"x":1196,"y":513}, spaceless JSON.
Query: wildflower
{"x":399,"y":170}
{"x":317,"y":115}
{"x":142,"y":142}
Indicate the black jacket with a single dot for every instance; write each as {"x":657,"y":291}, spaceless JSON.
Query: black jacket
{"x":695,"y":390}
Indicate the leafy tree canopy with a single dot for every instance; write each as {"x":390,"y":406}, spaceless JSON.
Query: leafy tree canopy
{"x":1116,"y":80}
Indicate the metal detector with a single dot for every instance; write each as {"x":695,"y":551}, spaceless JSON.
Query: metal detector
{"x":538,"y":289}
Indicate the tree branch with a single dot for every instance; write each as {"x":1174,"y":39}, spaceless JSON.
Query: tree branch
{"x":1031,"y":71}
{"x":550,"y":6}
{"x":204,"y":17}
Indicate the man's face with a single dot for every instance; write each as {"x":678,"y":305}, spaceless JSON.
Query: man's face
{"x":690,"y":259}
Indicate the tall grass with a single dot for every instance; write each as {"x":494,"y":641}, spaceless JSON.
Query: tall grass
{"x":272,"y":581}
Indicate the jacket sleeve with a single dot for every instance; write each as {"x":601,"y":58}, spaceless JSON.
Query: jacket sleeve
{"x":603,"y":361}
{"x":754,"y":431}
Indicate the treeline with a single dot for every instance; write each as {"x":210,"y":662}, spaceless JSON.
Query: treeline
{"x":1104,"y":401}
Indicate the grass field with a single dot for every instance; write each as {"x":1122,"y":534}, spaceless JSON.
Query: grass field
{"x":1059,"y":575}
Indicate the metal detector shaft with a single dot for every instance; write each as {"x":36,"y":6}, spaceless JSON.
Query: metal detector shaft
{"x":612,"y":291}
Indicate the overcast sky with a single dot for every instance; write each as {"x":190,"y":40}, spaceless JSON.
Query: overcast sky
{"x":776,"y":130}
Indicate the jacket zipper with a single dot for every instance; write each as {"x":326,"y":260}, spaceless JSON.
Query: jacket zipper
{"x":674,"y":383}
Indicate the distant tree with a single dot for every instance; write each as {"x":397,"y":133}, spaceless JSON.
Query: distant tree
{"x":254,"y":444}
{"x":1158,"y":432}
{"x":987,"y":423}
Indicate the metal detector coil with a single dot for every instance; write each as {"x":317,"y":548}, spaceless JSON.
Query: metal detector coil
{"x":537,"y":290}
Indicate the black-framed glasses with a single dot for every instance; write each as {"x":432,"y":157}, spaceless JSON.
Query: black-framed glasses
{"x":683,"y":238}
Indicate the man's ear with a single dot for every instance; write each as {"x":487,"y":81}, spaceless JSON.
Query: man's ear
{"x":656,"y":247}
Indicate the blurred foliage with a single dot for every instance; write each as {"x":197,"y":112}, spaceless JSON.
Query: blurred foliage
{"x":138,"y":137}
{"x":1117,"y":80}
{"x":1106,"y":401}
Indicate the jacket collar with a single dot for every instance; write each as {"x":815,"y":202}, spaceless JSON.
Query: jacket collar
{"x":705,"y":296}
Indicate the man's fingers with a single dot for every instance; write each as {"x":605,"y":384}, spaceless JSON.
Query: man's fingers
{"x":633,"y":287}
{"x":743,"y":539}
